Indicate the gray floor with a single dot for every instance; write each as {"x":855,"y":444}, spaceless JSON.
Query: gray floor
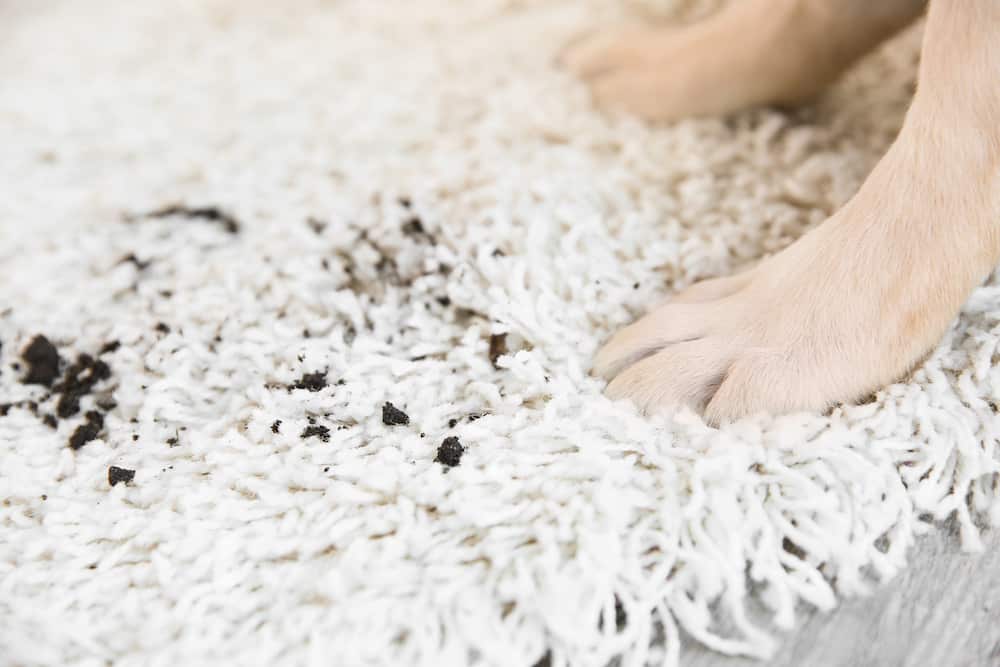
{"x":943,"y":611}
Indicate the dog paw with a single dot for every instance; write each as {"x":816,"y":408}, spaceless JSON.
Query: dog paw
{"x":849,"y":307}
{"x":739,"y":58}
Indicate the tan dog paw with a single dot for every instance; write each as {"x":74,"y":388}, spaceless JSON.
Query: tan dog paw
{"x":753,"y":52}
{"x":848,"y":308}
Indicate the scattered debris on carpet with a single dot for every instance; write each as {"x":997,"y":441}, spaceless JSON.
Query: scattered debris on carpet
{"x":207,"y":213}
{"x":450,"y":452}
{"x":310,"y":382}
{"x":393,"y":416}
{"x":120,"y":475}
{"x":69,"y":386}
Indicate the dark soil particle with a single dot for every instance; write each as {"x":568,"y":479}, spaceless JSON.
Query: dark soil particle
{"x":50,"y":421}
{"x":450,"y":452}
{"x":316,"y":225}
{"x":311,"y":381}
{"x":88,"y":430}
{"x":498,"y":348}
{"x":43,"y":362}
{"x":321,"y":432}
{"x":414,"y":226}
{"x":471,"y":417}
{"x":77,"y":382}
{"x":135,"y":261}
{"x":393,"y":416}
{"x":793,"y":548}
{"x":162,"y":328}
{"x":544,"y":661}
{"x":123,"y":475}
{"x":110,"y":346}
{"x":207,"y":213}
{"x":107,"y":403}
{"x":172,"y":441}
{"x":276,"y":426}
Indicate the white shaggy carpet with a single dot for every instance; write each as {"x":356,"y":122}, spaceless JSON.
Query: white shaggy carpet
{"x":572,"y":530}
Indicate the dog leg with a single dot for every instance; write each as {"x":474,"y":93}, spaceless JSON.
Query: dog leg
{"x":858,"y":301}
{"x":753,"y":52}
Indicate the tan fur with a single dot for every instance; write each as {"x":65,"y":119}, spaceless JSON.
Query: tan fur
{"x":857,"y":302}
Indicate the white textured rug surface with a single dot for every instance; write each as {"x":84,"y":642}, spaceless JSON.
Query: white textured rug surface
{"x":366,"y":198}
